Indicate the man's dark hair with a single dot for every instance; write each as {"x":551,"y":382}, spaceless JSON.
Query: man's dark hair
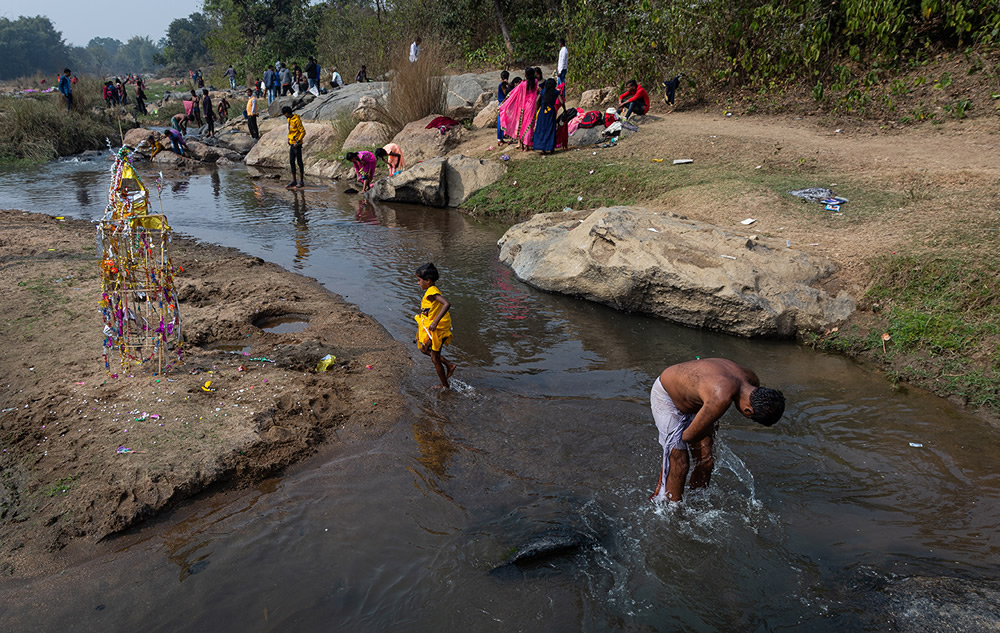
{"x":562,"y":41}
{"x":66,"y":71}
{"x":428,"y":272}
{"x":632,"y":82}
{"x":768,"y":405}
{"x":286,"y":110}
{"x":204,"y":91}
{"x":504,"y":75}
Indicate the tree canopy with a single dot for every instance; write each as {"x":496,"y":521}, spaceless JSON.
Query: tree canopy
{"x":29,"y":46}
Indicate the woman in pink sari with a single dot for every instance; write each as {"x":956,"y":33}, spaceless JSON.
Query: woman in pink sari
{"x":517,"y":112}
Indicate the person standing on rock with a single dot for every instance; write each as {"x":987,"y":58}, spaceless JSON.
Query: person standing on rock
{"x":687,"y":400}
{"x":296,"y":134}
{"x":415,"y":51}
{"x":269,"y":84}
{"x":311,"y":73}
{"x":285,"y":78}
{"x":231,"y":73}
{"x":66,"y":88}
{"x":563,"y":62}
{"x":206,"y":106}
{"x":251,"y":113}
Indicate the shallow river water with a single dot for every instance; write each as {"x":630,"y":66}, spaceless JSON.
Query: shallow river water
{"x":549,"y":428}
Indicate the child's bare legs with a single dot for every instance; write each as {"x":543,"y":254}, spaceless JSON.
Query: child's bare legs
{"x":440,"y":364}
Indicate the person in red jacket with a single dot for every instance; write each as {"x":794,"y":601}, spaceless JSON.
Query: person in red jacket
{"x":635,"y":100}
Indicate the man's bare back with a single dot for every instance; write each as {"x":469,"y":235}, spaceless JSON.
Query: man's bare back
{"x":700,"y":391}
{"x":706,"y":387}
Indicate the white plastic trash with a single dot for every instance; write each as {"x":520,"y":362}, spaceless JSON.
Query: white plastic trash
{"x":683,"y":161}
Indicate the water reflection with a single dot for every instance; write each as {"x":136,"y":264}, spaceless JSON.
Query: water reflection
{"x":299,"y":211}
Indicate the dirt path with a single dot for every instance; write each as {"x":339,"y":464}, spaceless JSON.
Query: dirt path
{"x":907,"y":186}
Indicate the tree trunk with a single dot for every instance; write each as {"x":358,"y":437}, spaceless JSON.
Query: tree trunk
{"x":503,"y":29}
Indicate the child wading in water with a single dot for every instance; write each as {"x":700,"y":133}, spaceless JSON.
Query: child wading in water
{"x":434,"y":323}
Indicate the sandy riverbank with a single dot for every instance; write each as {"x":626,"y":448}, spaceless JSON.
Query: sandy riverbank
{"x":64,"y":418}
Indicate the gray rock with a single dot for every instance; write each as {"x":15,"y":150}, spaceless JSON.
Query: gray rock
{"x":418,"y":143}
{"x":296,"y":103}
{"x":367,"y":134}
{"x":487,"y":117}
{"x":423,"y":183}
{"x":692,"y":273}
{"x":465,"y":176}
{"x":239,"y":142}
{"x":923,"y":604}
{"x":367,"y":109}
{"x":463,"y":92}
{"x":341,"y":101}
{"x":586,"y":136}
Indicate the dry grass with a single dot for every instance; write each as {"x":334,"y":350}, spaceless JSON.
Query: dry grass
{"x":39,"y":128}
{"x":415,"y":90}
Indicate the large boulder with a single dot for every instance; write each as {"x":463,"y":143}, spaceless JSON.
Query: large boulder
{"x":464,"y":93}
{"x":586,"y":136}
{"x":367,"y":134}
{"x":239,"y":142}
{"x":140,"y":137}
{"x":210,"y":153}
{"x":168,"y":158}
{"x":271,"y":151}
{"x":487,"y":117}
{"x":367,"y":110}
{"x":418,"y":143}
{"x":465,"y":176}
{"x":423,"y":183}
{"x":688,"y":272}
{"x":598,"y":99}
{"x":295,"y":103}
{"x":341,"y":101}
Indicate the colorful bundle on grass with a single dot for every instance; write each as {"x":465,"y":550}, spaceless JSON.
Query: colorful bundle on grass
{"x":138,"y":301}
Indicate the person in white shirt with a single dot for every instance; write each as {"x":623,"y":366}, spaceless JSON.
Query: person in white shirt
{"x":563,"y":60}
{"x":414,"y":50}
{"x":336,"y":80}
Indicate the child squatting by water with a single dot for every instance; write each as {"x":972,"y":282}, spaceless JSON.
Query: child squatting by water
{"x":434,"y":323}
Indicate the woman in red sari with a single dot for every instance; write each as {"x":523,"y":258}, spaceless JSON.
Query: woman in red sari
{"x":517,"y":112}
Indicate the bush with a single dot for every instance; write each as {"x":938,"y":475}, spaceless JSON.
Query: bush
{"x":40,"y":128}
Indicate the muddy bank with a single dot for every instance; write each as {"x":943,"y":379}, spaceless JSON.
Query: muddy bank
{"x":64,"y":419}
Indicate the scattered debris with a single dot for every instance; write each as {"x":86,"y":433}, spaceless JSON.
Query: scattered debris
{"x":683,"y":161}
{"x":748,"y":221}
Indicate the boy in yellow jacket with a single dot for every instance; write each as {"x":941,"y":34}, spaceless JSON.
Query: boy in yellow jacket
{"x":296,"y":133}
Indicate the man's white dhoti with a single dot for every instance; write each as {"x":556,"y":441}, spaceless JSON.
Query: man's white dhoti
{"x":670,"y":422}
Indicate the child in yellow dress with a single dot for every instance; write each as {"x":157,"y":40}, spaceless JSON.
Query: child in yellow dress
{"x":434,"y":322}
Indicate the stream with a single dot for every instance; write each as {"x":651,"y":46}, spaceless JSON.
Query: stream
{"x":548,"y":428}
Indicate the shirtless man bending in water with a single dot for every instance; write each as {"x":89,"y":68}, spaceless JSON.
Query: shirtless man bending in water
{"x":687,"y":400}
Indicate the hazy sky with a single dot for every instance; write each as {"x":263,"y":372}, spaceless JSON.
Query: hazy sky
{"x":80,"y":20}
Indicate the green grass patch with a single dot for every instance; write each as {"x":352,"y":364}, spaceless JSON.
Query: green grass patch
{"x":552,"y":183}
{"x":938,"y":302}
{"x":61,"y":486}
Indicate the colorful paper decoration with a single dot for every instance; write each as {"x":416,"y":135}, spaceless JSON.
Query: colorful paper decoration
{"x":139,"y":305}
